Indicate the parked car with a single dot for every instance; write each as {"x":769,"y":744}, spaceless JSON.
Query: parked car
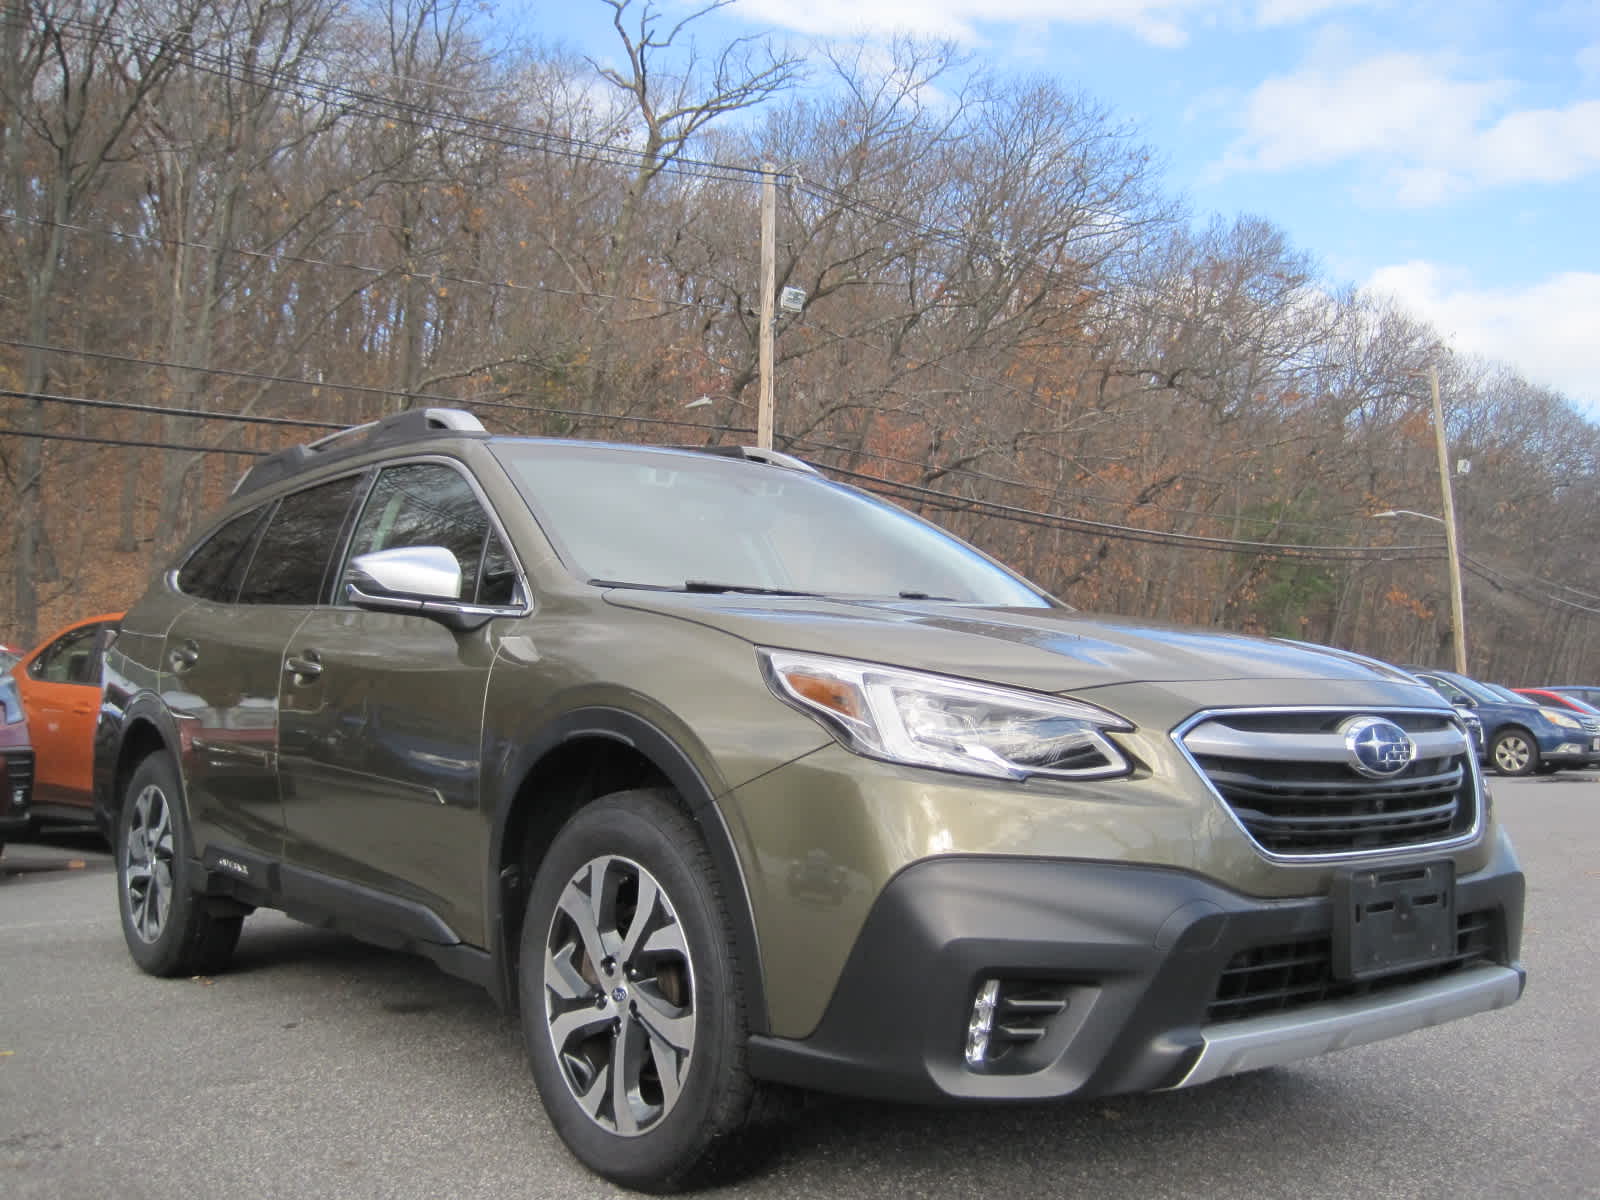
{"x":1551,"y":698}
{"x":16,"y":765}
{"x":1588,"y":694}
{"x":1520,"y":737}
{"x":722,"y":773}
{"x":8,"y":657}
{"x":58,"y":682}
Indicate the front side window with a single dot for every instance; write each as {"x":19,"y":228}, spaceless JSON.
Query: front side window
{"x":670,"y":519}
{"x":430,"y":504}
{"x":291,"y":558}
{"x":68,"y":659}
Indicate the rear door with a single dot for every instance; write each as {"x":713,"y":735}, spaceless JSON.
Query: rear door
{"x":224,"y":656}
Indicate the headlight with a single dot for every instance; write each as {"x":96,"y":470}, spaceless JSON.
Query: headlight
{"x":1556,"y":717}
{"x":948,"y":724}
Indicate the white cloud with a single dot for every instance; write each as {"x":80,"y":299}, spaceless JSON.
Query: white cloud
{"x":1397,"y":105}
{"x":1428,"y":134}
{"x":1272,"y":13}
{"x":1550,"y":331}
{"x":1163,"y":23}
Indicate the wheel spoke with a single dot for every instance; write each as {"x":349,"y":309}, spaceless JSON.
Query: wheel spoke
{"x":578,"y":1023}
{"x":667,"y":940}
{"x":604,"y":880}
{"x":644,"y":913}
{"x":673,"y":1026}
{"x":579,"y":907}
{"x":669,"y":1067}
{"x":627,"y":1060}
{"x":591,"y":1098}
{"x":562,"y":977}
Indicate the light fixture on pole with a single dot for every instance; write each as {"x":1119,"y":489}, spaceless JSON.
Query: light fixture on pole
{"x":1452,"y":540}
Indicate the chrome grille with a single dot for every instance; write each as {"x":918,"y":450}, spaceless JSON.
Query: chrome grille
{"x":1288,"y":778}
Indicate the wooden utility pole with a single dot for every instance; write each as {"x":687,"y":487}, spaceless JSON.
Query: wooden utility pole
{"x":1451,"y":540}
{"x":769,"y":287}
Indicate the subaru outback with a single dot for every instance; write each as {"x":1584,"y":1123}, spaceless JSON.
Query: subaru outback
{"x":726,"y":777}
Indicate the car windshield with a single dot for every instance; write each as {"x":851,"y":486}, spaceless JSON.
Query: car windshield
{"x":699,"y":522}
{"x":1505,"y":693}
{"x":1481,"y":692}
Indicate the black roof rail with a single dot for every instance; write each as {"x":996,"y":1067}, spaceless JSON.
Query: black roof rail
{"x":395,"y":429}
{"x":774,"y":458}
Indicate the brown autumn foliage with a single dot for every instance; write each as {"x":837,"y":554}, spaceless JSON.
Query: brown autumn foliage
{"x":227,"y":227}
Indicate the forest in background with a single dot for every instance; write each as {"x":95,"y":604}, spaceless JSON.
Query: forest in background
{"x":231,"y":225}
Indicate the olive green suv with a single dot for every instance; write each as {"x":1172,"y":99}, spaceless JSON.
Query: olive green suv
{"x":725,"y":775}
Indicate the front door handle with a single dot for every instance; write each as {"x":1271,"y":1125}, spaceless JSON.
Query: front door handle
{"x":185,"y":656}
{"x":305,"y":666}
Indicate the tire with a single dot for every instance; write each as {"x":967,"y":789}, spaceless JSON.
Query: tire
{"x":166,"y":924}
{"x":609,"y":980}
{"x":1514,"y":752}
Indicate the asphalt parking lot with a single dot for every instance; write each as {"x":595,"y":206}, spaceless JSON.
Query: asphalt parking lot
{"x":320,"y":1067}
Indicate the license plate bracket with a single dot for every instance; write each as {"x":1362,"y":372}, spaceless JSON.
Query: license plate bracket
{"x":1392,"y":919}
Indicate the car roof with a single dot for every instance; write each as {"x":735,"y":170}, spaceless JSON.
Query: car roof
{"x":418,"y":426}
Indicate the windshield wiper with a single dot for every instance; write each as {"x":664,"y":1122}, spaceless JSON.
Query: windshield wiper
{"x":624,"y":583}
{"x":744,"y":589}
{"x":925,"y":596}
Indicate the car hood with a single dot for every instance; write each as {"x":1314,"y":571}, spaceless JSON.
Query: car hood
{"x":1053,"y":650}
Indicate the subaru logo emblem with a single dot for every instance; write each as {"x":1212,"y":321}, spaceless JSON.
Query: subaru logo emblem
{"x":1378,"y":748}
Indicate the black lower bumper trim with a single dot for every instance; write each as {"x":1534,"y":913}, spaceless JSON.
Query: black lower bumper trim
{"x":1136,"y":953}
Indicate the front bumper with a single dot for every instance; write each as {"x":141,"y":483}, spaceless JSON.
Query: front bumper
{"x":16,"y":793}
{"x":1163,"y":980}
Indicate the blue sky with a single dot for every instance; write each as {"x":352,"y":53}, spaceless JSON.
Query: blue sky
{"x":1446,"y":152}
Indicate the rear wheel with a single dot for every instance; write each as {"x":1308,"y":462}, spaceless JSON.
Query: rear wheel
{"x":632,"y":1005}
{"x":1515,"y":753}
{"x":167,"y":926}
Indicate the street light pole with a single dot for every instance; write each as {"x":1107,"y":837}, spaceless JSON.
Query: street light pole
{"x":1452,"y":539}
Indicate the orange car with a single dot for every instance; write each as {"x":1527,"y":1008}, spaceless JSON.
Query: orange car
{"x":59,"y":682}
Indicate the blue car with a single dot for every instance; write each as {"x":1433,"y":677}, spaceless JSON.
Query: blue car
{"x":1519,"y":737}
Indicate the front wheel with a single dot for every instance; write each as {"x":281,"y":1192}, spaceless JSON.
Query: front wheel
{"x":1515,"y":753}
{"x":167,"y":927}
{"x":632,"y":1007}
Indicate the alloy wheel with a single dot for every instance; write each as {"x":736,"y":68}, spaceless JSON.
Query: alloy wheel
{"x":1511,"y":755}
{"x":619,"y":995}
{"x":147,"y":869}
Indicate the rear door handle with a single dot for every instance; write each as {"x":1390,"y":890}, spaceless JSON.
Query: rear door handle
{"x":306,"y":666}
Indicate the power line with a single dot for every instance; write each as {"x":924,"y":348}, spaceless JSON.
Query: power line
{"x":377,"y":272}
{"x":126,"y":442}
{"x":165,"y":411}
{"x":364,"y":389}
{"x":950,"y":499}
{"x":373,"y":104}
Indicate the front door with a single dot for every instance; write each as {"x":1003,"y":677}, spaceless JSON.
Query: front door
{"x":61,"y":690}
{"x":381,"y":715}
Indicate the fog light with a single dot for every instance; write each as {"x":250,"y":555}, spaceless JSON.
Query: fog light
{"x":1569,"y":748}
{"x":982,"y":1023}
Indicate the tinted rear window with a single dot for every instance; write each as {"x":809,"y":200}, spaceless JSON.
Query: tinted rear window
{"x":290,"y":563}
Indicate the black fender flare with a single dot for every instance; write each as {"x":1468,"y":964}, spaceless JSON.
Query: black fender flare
{"x":111,"y":735}
{"x":686,"y":779}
